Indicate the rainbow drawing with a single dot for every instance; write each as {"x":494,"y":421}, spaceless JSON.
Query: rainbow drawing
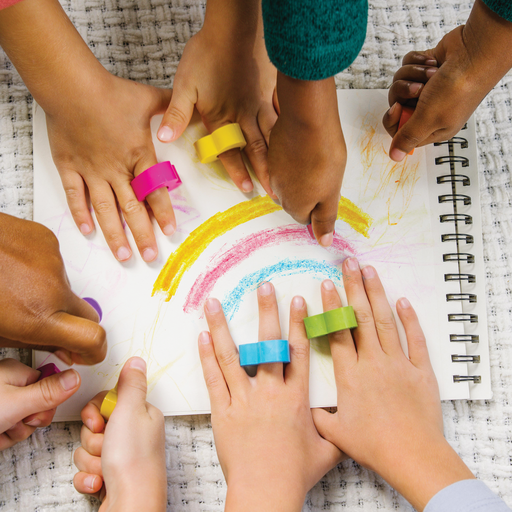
{"x":224,"y":261}
{"x":219,"y":224}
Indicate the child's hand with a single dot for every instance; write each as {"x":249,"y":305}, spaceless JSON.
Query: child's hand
{"x":448,"y":82}
{"x":389,"y":414}
{"x":268,"y":447}
{"x":123,"y":462}
{"x":226,"y":74}
{"x":307,"y":153}
{"x":38,"y":309}
{"x":26,"y":404}
{"x":101,"y":144}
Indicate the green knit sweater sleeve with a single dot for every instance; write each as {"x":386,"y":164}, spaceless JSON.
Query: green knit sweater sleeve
{"x":502,"y":8}
{"x":314,"y":39}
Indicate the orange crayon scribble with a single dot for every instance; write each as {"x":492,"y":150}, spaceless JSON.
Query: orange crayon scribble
{"x":219,"y":224}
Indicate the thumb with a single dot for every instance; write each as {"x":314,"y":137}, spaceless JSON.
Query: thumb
{"x":177,"y":116}
{"x":44,"y":395}
{"x":132,"y":385}
{"x":323,"y":218}
{"x":327,"y":426}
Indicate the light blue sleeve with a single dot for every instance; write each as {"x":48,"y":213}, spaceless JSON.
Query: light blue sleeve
{"x":466,"y":496}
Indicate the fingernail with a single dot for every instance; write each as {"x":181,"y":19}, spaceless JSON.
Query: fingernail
{"x":431,"y":62}
{"x":89,"y":481}
{"x":415,"y":88}
{"x":123,"y":254}
{"x":165,"y":134}
{"x":352,"y":264}
{"x":298,"y":302}
{"x":204,"y":338}
{"x":397,"y":155}
{"x":430,"y":72}
{"x":213,"y":305}
{"x":247,"y":186}
{"x":33,"y":423}
{"x":85,"y":229}
{"x":368,"y":272}
{"x":138,"y":363}
{"x":328,"y":285}
{"x":169,"y":230}
{"x":326,"y":240}
{"x":89,"y":424}
{"x":265,"y":289}
{"x":68,"y":380}
{"x":392,"y":109}
{"x":148,"y":255}
{"x":64,"y":356}
{"x":404,"y":303}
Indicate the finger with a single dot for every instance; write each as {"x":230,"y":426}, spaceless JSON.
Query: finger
{"x":91,"y":416}
{"x":328,"y":427}
{"x":15,"y":373}
{"x":323,"y":218}
{"x":75,"y":195}
{"x":137,"y":218}
{"x":81,"y":308}
{"x":267,"y":117}
{"x":414,"y":73}
{"x":178,"y":113}
{"x":405,"y":92}
{"x":132,"y":386}
{"x":416,"y":342}
{"x":342,"y":345}
{"x":159,"y":199}
{"x":257,"y":153}
{"x":213,"y":377}
{"x":17,"y":433}
{"x":269,"y":329}
{"x":382,"y":313}
{"x":298,"y":369}
{"x":91,"y":442}
{"x":40,"y":419}
{"x":425,"y":58}
{"x":85,"y":483}
{"x":43,"y":395}
{"x":225,"y":349}
{"x":365,"y":335}
{"x":104,"y":204}
{"x":86,"y":462}
{"x":391,"y":119}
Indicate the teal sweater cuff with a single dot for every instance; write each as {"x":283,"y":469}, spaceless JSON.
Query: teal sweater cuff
{"x":314,"y":39}
{"x":502,"y":8}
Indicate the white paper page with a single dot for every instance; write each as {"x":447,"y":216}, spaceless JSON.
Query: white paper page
{"x":399,"y":244}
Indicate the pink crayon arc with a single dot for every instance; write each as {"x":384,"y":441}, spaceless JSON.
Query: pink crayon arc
{"x":246,"y":247}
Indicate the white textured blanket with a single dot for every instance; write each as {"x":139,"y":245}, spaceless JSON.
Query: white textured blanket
{"x":144,"y":41}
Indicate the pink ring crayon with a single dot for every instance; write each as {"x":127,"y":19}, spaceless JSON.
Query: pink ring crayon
{"x":163,"y":174}
{"x":47,"y":370}
{"x":95,"y":305}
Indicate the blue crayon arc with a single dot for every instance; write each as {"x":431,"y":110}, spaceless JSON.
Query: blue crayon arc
{"x":287,"y":267}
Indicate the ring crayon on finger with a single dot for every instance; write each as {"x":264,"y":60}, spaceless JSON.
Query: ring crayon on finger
{"x":160,"y":175}
{"x":222,"y":139}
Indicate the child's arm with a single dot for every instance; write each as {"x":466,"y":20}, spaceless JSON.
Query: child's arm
{"x":448,"y":82}
{"x":26,"y":404}
{"x":268,"y":447}
{"x":226,"y":74}
{"x":389,"y":414}
{"x":123,"y":462}
{"x":98,"y":124}
{"x":38,"y":309}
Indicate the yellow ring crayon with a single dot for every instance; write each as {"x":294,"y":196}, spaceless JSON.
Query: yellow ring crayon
{"x":223,"y":139}
{"x":109,"y":403}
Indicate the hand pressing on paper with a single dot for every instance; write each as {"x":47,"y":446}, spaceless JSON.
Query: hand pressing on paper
{"x":26,"y":404}
{"x":446,"y":84}
{"x":38,"y":309}
{"x":263,"y":429}
{"x":122,"y":462}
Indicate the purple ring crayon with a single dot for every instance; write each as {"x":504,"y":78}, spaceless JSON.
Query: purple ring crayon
{"x":47,"y":370}
{"x":95,"y":305}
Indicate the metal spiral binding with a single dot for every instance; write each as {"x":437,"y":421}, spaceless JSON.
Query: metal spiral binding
{"x":461,"y":258}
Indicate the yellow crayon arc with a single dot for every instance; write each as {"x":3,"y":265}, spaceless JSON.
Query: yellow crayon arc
{"x":219,"y":224}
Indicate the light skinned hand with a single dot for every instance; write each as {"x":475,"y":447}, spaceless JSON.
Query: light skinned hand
{"x":307,"y":153}
{"x":38,"y":309}
{"x":268,"y":447}
{"x":226,"y":75}
{"x":447,"y":83}
{"x":26,"y":404}
{"x":389,"y":413}
{"x":122,"y":462}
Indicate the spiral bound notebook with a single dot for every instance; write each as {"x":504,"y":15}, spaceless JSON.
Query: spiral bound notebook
{"x":417,"y":222}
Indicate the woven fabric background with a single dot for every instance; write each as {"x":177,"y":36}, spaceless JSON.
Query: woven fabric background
{"x":143,"y":41}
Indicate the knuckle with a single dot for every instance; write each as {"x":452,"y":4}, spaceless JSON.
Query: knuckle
{"x":175,"y":115}
{"x":132,"y":207}
{"x":386,"y":324}
{"x":47,"y":394}
{"x":257,"y":147}
{"x":300,"y":352}
{"x":213,"y":381}
{"x":102,"y":207}
{"x":228,"y":358}
{"x":364,"y":317}
{"x":73,"y":193}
